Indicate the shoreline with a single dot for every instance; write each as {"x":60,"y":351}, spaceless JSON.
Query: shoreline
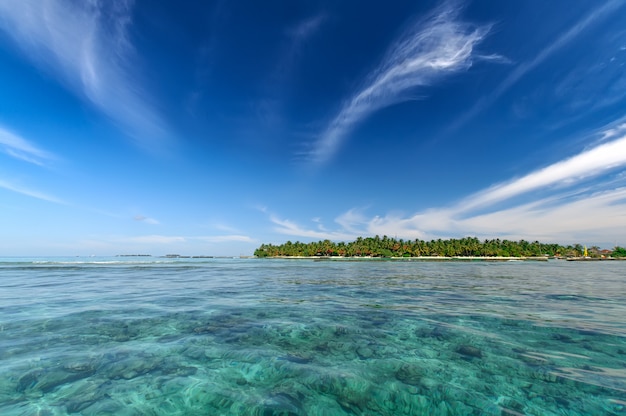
{"x":443,"y":258}
{"x":422,"y":258}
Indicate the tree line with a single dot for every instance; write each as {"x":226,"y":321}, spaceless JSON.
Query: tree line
{"x":393,"y":247}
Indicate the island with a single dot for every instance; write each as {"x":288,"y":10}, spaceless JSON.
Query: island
{"x":467,"y":248}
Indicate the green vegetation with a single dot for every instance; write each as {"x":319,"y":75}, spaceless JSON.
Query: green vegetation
{"x":619,"y":252}
{"x":392,"y":247}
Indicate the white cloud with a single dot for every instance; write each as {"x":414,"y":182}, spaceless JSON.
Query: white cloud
{"x":521,"y":70}
{"x":86,"y":43}
{"x":224,"y":228}
{"x":595,"y":218}
{"x":306,"y":28}
{"x":183,"y":241}
{"x":615,"y":131}
{"x":19,"y":148}
{"x":352,"y":220}
{"x":29,"y":192}
{"x":145,"y":219}
{"x":575,"y":209}
{"x":156,"y":239}
{"x":226,"y":238}
{"x":587,"y":164}
{"x":290,"y":228}
{"x":426,"y":52}
{"x":165,"y":239}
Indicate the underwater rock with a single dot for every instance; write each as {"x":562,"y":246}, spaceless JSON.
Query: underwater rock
{"x":235,"y":340}
{"x":364,"y":352}
{"x":379,"y":320}
{"x":589,"y":332}
{"x":341,"y":330}
{"x":121,"y":338}
{"x":121,"y":332}
{"x":327,"y":384}
{"x":532,"y":359}
{"x":469,"y":351}
{"x":298,"y":359}
{"x":76,"y":406}
{"x":587,"y":367}
{"x":105,"y":406}
{"x":131,"y":367}
{"x":81,"y":395}
{"x":440,"y":333}
{"x":48,"y":380}
{"x":169,"y":338}
{"x":28,"y":380}
{"x":562,"y":402}
{"x":508,"y":404}
{"x":350,"y":392}
{"x":206,"y":329}
{"x":211,"y":354}
{"x":410,"y":373}
{"x":350,"y":406}
{"x":178,"y":370}
{"x":563,"y":338}
{"x":323,"y":348}
{"x":194,"y":352}
{"x":280,"y":404}
{"x":588,"y":346}
{"x":544,"y":374}
{"x":80,"y":367}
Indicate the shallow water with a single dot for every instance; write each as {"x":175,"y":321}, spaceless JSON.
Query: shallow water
{"x":151,"y":336}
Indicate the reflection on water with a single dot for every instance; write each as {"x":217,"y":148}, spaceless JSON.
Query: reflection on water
{"x":274,"y":337}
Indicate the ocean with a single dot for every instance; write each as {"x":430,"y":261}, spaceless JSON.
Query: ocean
{"x":158,"y":336}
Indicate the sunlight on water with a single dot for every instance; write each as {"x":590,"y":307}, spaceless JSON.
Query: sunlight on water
{"x":279,"y":337}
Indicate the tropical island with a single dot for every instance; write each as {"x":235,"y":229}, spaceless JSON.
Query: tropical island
{"x":467,"y":247}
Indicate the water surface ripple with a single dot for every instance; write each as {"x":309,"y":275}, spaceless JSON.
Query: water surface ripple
{"x":152,"y":336}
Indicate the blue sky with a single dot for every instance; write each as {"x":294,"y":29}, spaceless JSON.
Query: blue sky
{"x":212,"y":127}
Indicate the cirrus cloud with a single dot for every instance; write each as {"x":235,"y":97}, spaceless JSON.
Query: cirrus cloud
{"x":424,"y":54}
{"x":20,"y":148}
{"x":147,"y":220}
{"x":88,"y":47}
{"x":579,"y":198}
{"x":30,"y":192}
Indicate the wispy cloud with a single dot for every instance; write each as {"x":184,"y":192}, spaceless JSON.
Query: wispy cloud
{"x":29,"y":192}
{"x":430,"y":49}
{"x":147,"y":220}
{"x":167,"y":239}
{"x":296,"y":37}
{"x":562,"y":202}
{"x":156,"y":239}
{"x":594,"y":218}
{"x":226,"y":238}
{"x":614,"y":131}
{"x":307,"y":27}
{"x":87,"y":45}
{"x":270,"y":109}
{"x":225,"y":245}
{"x":288,"y":227}
{"x":522,"y":69}
{"x":587,"y":164}
{"x":19,"y":148}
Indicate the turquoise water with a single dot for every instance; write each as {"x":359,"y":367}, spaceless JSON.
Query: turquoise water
{"x":152,"y":336}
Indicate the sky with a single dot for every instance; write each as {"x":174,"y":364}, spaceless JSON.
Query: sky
{"x":209,"y":128}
